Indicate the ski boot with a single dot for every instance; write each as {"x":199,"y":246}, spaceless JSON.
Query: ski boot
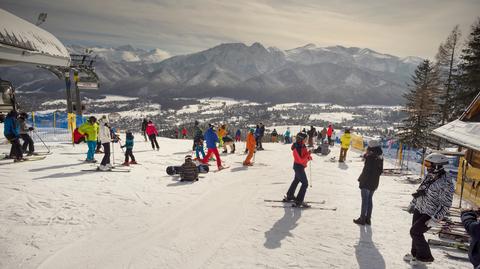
{"x":103,"y":168}
{"x":288,"y":199}
{"x":301,"y":204}
{"x":126,"y":164}
{"x":359,"y":221}
{"x":133,"y":162}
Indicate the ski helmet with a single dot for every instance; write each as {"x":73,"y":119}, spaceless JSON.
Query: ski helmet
{"x":300,"y":136}
{"x":437,"y":159}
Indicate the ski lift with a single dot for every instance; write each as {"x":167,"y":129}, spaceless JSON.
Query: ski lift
{"x":7,"y":102}
{"x":85,"y":74}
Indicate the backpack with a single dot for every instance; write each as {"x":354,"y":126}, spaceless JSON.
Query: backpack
{"x":78,"y":137}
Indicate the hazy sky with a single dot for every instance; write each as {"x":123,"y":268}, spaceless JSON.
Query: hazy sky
{"x":401,"y":27}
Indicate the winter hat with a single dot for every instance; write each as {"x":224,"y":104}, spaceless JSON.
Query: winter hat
{"x":373,"y":143}
{"x":251,"y":130}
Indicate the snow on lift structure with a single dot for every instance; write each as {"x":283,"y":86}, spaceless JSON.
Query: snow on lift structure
{"x":22,"y":42}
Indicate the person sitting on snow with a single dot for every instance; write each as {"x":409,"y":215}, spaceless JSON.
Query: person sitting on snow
{"x":430,"y":204}
{"x":188,"y":170}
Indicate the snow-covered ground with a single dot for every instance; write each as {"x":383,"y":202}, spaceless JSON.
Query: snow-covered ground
{"x":333,"y":116}
{"x":53,"y":215}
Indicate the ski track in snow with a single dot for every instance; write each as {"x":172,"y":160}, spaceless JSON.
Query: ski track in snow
{"x":52,"y":215}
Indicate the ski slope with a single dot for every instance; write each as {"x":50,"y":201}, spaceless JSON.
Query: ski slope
{"x":52,"y":215}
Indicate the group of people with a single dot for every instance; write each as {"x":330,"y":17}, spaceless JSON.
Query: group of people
{"x":16,"y":128}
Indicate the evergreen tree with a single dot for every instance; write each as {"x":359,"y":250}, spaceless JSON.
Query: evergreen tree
{"x":421,"y":107}
{"x":447,"y":65}
{"x":470,"y":68}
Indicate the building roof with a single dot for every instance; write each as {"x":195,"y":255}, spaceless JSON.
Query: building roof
{"x":24,"y":42}
{"x":466,"y":130}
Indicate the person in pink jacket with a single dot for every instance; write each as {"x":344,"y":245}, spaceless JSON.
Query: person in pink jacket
{"x":152,"y":134}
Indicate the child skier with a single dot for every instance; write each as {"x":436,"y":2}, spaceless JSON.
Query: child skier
{"x":250,"y":147}
{"x":24,"y":129}
{"x":188,"y":170}
{"x":129,"y":152}
{"x":430,"y":204}
{"x":301,"y":156}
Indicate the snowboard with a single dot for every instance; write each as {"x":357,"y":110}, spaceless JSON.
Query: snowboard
{"x":175,"y":170}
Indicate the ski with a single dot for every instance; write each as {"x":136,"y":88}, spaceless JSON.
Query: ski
{"x":312,"y":207}
{"x":281,"y":201}
{"x":460,"y":246}
{"x":224,"y":168}
{"x":98,"y":170}
{"x":29,"y":158}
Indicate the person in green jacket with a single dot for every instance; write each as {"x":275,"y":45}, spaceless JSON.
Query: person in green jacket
{"x":90,"y":130}
{"x":345,"y":144}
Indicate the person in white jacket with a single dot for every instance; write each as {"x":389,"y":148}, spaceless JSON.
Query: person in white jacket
{"x":105,"y":138}
{"x":430,"y":204}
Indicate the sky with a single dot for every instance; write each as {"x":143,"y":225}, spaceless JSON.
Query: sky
{"x":400,"y":27}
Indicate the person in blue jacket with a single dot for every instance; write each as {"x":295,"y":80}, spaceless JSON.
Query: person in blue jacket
{"x":211,"y":138}
{"x":472,"y":226}
{"x":12,"y":133}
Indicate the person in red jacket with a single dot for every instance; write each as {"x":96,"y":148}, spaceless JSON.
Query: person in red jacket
{"x":329,"y":134}
{"x":152,"y":134}
{"x":301,"y":156}
{"x":184,"y":133}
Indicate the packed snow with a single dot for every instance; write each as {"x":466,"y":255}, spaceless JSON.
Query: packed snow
{"x":332,"y":117}
{"x":53,"y":215}
{"x":112,"y":98}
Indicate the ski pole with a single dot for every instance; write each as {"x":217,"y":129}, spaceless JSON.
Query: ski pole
{"x":35,"y":132}
{"x":311,"y":173}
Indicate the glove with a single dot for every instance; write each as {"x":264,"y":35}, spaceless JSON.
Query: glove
{"x":411,"y":208}
{"x":431,"y":223}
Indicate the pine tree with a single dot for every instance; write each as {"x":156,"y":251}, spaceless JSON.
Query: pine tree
{"x":447,"y":65}
{"x":470,"y":68}
{"x":421,"y":107}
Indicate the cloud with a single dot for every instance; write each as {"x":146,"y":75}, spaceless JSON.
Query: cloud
{"x":397,"y":27}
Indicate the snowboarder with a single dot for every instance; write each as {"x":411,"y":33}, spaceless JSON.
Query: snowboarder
{"x":311,"y":134}
{"x":129,"y":149}
{"x":228,"y":141}
{"x":184,"y":133}
{"x":104,"y":136}
{"x":144,"y":128}
{"x":430,"y":204}
{"x":212,"y":139}
{"x":250,"y":147}
{"x":152,"y":134}
{"x":24,"y":129}
{"x":90,"y":130}
{"x":368,"y":180}
{"x":329,"y":134}
{"x":238,"y":135}
{"x":301,"y":156}
{"x":274,"y":135}
{"x":472,"y":226}
{"x":188,"y":170}
{"x":345,"y":144}
{"x":222,"y":131}
{"x":288,"y":138}
{"x":11,"y":132}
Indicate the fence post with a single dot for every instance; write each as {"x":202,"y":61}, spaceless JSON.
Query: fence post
{"x":33,"y":119}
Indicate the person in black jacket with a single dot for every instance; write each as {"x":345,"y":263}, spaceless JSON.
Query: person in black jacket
{"x":368,"y":180}
{"x":472,"y":226}
{"x":144,"y":128}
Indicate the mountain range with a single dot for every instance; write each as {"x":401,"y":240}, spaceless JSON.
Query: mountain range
{"x":334,"y":74}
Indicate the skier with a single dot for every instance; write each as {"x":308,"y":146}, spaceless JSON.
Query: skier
{"x":176,"y":133}
{"x":11,"y":132}
{"x":152,"y":134}
{"x":329,"y":134}
{"x":430,"y":204}
{"x":188,"y":170}
{"x":311,"y":134}
{"x":257,"y":135}
{"x":144,"y":128}
{"x":184,"y":133}
{"x":212,"y":139}
{"x":228,"y":141}
{"x":129,"y":151}
{"x":301,"y":156}
{"x":250,"y":143}
{"x":90,"y":130}
{"x":104,"y":136}
{"x":197,"y":136}
{"x":24,"y":129}
{"x":345,"y":144}
{"x":238,"y":135}
{"x":288,"y":139}
{"x":274,"y":135}
{"x":472,"y":226}
{"x":261,"y":134}
{"x":222,"y":131}
{"x":368,"y":180}
{"x":199,"y":149}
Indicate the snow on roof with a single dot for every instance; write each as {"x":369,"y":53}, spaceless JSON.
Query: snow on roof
{"x":465,"y":134}
{"x":23,"y":42}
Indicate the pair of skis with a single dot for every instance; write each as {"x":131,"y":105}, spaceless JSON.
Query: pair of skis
{"x":291,"y":204}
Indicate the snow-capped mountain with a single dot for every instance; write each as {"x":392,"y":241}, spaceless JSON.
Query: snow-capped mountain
{"x":334,"y":74}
